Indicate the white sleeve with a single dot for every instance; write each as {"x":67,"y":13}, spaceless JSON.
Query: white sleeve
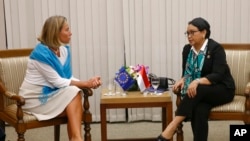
{"x":50,"y":75}
{"x":75,"y":79}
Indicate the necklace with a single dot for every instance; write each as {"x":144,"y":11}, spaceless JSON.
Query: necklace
{"x":56,"y":51}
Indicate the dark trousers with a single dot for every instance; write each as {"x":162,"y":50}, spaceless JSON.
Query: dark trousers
{"x":2,"y":135}
{"x":197,"y":109}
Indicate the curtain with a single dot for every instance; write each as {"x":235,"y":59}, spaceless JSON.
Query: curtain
{"x":2,"y":26}
{"x":98,"y":44}
{"x":146,"y":38}
{"x":149,"y":32}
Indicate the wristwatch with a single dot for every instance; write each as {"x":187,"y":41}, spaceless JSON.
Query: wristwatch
{"x":198,"y":80}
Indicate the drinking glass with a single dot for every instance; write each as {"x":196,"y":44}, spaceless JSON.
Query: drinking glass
{"x":111,"y":89}
{"x":155,"y":82}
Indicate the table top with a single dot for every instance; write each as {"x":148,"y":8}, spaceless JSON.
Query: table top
{"x":135,"y":97}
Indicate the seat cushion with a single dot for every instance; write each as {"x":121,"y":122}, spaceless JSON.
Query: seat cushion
{"x":237,"y":105}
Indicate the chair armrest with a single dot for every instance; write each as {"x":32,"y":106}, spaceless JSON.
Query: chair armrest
{"x":178,"y":94}
{"x":20,"y":101}
{"x":11,"y":95}
{"x":86,"y":93}
{"x":247,"y":104}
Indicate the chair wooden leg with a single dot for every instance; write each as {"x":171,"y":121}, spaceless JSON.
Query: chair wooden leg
{"x":20,"y":137}
{"x":179,"y":133}
{"x":87,"y":116}
{"x":57,"y":133}
{"x":87,"y":128}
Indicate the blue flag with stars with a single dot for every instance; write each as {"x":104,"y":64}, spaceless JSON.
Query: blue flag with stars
{"x":124,"y":79}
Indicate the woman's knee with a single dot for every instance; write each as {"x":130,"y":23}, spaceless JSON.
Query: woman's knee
{"x":78,"y":97}
{"x":76,"y":101}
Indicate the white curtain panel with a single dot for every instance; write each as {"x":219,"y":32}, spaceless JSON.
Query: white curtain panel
{"x":151,"y":32}
{"x":102,"y":21}
{"x":2,"y":26}
{"x":146,"y":38}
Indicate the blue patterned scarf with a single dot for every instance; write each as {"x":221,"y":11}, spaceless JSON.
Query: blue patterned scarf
{"x":193,"y":68}
{"x":43,"y":54}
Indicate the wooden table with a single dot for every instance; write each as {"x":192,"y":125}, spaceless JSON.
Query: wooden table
{"x":135,"y":100}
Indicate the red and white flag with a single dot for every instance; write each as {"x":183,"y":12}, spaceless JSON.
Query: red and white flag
{"x":142,"y":79}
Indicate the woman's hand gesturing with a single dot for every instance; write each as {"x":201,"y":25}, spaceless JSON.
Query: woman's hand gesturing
{"x":95,"y":82}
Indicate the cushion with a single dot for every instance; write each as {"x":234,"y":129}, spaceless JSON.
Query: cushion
{"x":237,"y":105}
{"x":239,"y":64}
{"x":12,"y":69}
{"x":238,"y":61}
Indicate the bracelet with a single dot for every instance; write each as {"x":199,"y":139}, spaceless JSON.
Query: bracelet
{"x":198,"y":80}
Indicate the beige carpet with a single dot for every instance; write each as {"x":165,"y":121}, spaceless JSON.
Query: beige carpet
{"x":218,"y":131}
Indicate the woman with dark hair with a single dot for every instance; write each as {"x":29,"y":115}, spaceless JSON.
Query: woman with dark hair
{"x":206,"y":81}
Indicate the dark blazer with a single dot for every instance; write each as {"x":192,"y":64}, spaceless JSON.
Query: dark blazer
{"x":215,"y":67}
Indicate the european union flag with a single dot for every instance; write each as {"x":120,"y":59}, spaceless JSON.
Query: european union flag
{"x":124,"y":79}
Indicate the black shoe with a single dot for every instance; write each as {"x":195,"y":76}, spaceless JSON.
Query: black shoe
{"x":161,"y":138}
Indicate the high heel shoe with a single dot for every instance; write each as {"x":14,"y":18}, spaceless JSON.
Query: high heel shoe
{"x":161,"y":138}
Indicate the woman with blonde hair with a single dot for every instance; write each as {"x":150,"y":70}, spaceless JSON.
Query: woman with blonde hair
{"x":49,"y":88}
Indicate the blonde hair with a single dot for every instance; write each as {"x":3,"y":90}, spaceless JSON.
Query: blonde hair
{"x":50,"y":31}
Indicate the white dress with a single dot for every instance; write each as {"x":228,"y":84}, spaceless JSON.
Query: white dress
{"x":39,"y":74}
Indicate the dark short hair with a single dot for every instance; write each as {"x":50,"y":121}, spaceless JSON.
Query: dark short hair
{"x":201,"y":24}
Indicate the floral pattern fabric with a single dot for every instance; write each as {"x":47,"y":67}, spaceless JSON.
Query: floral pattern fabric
{"x":193,"y":68}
